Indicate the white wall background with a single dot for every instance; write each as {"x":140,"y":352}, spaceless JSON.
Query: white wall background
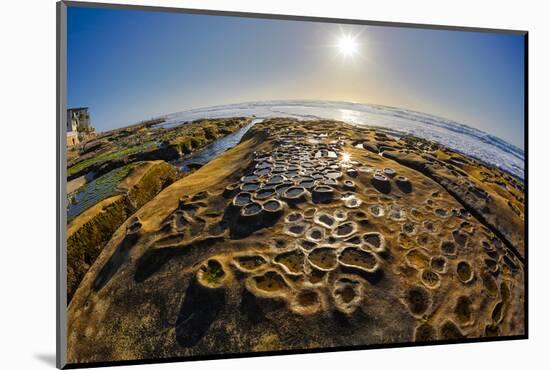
{"x":27,"y":181}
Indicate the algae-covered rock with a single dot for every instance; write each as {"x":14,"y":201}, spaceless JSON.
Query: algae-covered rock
{"x":147,"y":142}
{"x":88,"y":232}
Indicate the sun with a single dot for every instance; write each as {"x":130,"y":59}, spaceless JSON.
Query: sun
{"x":347,"y":45}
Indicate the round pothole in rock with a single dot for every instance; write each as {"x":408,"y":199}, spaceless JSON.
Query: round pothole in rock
{"x":416,"y":215}
{"x":375,"y":241}
{"x":430,"y":278}
{"x":377,"y":210}
{"x":318,"y":176}
{"x":510,"y":262}
{"x":250,"y":178}
{"x":134,"y":226}
{"x":231,"y":189}
{"x":442,"y":213}
{"x":381,"y":182}
{"x":307,"y":244}
{"x":359,"y":216}
{"x":340,"y":215}
{"x":263,"y":165}
{"x":307,"y":183}
{"x":448,"y":248}
{"x":264,"y":194}
{"x":294,"y":217}
{"x":351,"y":201}
{"x":316,"y":234}
{"x":464,"y":272}
{"x":281,"y":188}
{"x":324,"y":219}
{"x":296,"y":229}
{"x":262,"y":172}
{"x":460,"y":237}
{"x":504,"y":292}
{"x":345,"y":229}
{"x":409,"y":228}
{"x":251,"y":209}
{"x":270,"y":282}
{"x":349,"y":185}
{"x":250,"y":263}
{"x":365,"y":169}
{"x":488,"y":247}
{"x":406,"y":241}
{"x":389,"y":172}
{"x":250,"y":186}
{"x":418,"y":300}
{"x":273,"y":205}
{"x":211,"y":274}
{"x":432,"y":227}
{"x":323,"y":258}
{"x":316,"y":276}
{"x":403,"y":184}
{"x":294,"y":193}
{"x":491,"y":264}
{"x":356,"y":257}
{"x":449,"y":330}
{"x":352,"y":172}
{"x":498,"y":313}
{"x":493,"y":255}
{"x":333,"y":174}
{"x":292,"y":260}
{"x":329,"y":182}
{"x":347,"y":294}
{"x":306,"y":302}
{"x":492,"y":330}
{"x":322,"y":194}
{"x":309,"y":213}
{"x":424,"y":240}
{"x":396,"y":213}
{"x":425,"y":333}
{"x":489,"y":283}
{"x":278,"y":169}
{"x":438,"y":264}
{"x":276,"y":179}
{"x":242,"y":199}
{"x":463,"y":309}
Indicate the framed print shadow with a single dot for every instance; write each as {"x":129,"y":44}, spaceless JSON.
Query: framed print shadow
{"x":235,"y":184}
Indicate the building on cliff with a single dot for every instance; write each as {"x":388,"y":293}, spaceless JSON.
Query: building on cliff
{"x":79,"y":125}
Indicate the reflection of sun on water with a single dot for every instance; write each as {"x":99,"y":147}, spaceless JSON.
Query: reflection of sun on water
{"x":346,"y":157}
{"x":349,"y":116}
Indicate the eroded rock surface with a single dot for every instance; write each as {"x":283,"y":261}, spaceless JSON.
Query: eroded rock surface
{"x":306,"y":235}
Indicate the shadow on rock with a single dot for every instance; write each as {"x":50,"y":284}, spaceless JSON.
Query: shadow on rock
{"x":115,"y":261}
{"x":198,"y":311}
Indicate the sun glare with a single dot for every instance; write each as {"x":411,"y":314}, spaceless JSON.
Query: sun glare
{"x":347,"y":45}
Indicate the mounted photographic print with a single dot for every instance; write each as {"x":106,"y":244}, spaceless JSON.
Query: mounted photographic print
{"x":235,"y":184}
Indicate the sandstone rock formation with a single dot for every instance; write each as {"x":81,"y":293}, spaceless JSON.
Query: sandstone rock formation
{"x":309,"y":235}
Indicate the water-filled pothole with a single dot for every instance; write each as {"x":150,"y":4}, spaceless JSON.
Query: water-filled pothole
{"x":323,"y":258}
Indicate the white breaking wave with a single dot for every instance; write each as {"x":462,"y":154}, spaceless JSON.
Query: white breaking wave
{"x":457,"y":136}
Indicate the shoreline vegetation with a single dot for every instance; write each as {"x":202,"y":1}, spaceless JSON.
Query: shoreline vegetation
{"x":307,"y":234}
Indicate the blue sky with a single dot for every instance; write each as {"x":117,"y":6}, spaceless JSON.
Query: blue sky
{"x":129,"y":65}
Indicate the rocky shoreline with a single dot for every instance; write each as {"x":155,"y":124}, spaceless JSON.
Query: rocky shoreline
{"x":308,"y":235}
{"x":127,"y":168}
